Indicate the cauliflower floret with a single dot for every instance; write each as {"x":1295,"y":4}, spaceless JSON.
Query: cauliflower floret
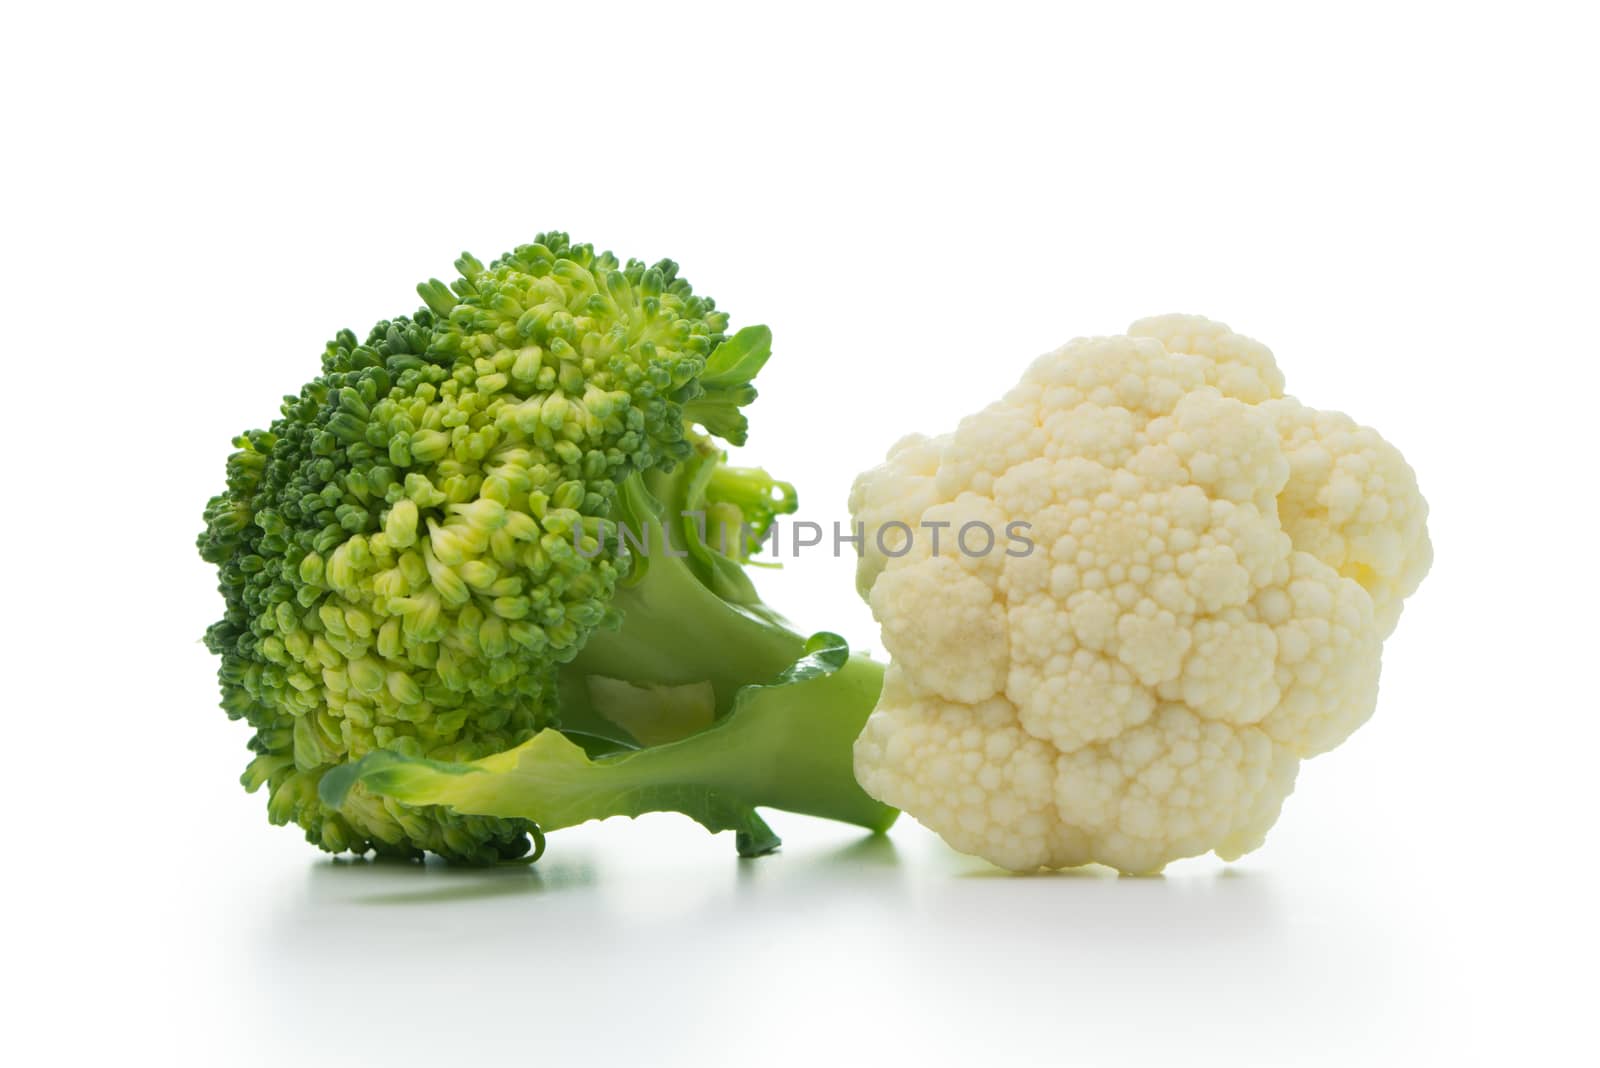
{"x":960,"y":653}
{"x":1213,"y":569}
{"x":1352,"y":502}
{"x":898,"y":490}
{"x":1174,"y":787}
{"x":969,"y":770}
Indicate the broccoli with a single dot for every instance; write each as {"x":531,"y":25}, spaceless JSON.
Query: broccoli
{"x":485,"y":577}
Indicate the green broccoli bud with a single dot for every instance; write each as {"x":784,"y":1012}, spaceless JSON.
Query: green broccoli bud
{"x":420,"y":562}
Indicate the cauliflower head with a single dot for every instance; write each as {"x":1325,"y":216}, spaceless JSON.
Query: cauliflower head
{"x":1196,"y":603}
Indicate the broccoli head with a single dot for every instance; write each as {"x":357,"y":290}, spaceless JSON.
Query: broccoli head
{"x":442,"y":551}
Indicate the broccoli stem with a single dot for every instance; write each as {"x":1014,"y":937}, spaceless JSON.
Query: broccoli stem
{"x":676,"y":631}
{"x":786,"y":745}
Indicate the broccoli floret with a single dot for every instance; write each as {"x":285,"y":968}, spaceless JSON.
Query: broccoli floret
{"x":464,"y":547}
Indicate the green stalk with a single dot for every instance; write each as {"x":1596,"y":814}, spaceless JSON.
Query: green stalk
{"x":786,"y":745}
{"x":675,"y":631}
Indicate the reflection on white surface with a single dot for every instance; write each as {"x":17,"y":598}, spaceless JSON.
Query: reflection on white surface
{"x":835,"y":939}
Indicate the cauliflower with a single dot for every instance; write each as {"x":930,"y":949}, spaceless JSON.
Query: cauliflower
{"x":1195,"y":598}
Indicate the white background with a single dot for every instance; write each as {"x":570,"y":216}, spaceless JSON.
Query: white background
{"x":1400,"y":200}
